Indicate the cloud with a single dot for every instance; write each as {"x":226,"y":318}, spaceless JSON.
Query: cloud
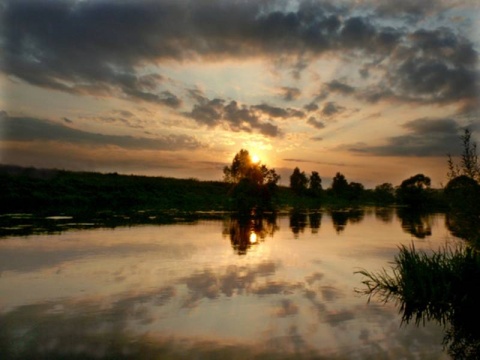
{"x":311,"y":107}
{"x":290,"y":93}
{"x":235,"y":116}
{"x":27,"y":129}
{"x":340,"y":87}
{"x":331,"y":108}
{"x":315,"y":123}
{"x":426,"y":137}
{"x":278,"y":112}
{"x":102,"y":48}
{"x":286,"y":308}
{"x":412,"y":10}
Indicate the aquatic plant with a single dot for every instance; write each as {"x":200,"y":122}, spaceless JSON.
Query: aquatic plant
{"x":439,"y":286}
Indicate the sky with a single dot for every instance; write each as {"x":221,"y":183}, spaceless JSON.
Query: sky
{"x":376,"y":90}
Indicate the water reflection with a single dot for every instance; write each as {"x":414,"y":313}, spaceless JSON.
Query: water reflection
{"x":416,"y":223}
{"x":248,"y":231}
{"x":340,"y":218}
{"x":299,"y":220}
{"x":439,"y":285}
{"x":384,"y":214}
{"x":180,"y":292}
{"x":465,"y":226}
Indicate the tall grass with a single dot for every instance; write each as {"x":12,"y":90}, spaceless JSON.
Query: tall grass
{"x":440,"y":286}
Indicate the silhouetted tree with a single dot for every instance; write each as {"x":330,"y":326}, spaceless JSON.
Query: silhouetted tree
{"x":384,"y":193}
{"x":469,"y":165}
{"x":298,"y":181}
{"x":340,"y":185}
{"x":414,"y":191}
{"x":240,"y":168}
{"x":463,"y":191}
{"x":315,"y":184}
{"x":355,"y":190}
{"x":254,"y":184}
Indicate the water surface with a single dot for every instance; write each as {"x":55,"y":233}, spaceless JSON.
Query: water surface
{"x":276,"y":288}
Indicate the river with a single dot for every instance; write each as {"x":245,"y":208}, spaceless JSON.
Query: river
{"x":271,"y":288}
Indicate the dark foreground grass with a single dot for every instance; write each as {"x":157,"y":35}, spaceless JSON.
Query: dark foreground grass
{"x":441,"y":286}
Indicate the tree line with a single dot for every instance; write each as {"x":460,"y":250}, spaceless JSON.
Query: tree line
{"x":254,"y":185}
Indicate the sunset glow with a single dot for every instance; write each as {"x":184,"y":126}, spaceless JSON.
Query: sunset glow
{"x":376,"y":90}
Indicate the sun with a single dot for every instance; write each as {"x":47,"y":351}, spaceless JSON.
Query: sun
{"x":255,"y":158}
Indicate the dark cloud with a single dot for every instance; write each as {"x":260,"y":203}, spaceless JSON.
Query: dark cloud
{"x":290,"y":93}
{"x":426,"y":137}
{"x":278,"y":112}
{"x":331,"y":108}
{"x":412,"y":10}
{"x":315,"y":123}
{"x":311,"y":107}
{"x":98,"y":47}
{"x":286,"y":308}
{"x":31,"y":129}
{"x":272,"y":111}
{"x":340,"y":87}
{"x":237,"y":117}
{"x":357,"y":32}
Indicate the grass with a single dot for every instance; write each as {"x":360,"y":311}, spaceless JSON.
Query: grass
{"x":440,"y":286}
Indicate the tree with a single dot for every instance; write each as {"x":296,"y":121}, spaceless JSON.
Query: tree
{"x":315,"y":186}
{"x":241,"y":167}
{"x":414,"y":191}
{"x":463,"y":196}
{"x":355,"y":190}
{"x":254,"y":184}
{"x":463,"y":189}
{"x":340,"y":185}
{"x":469,"y":165}
{"x":384,"y":193}
{"x":298,"y":181}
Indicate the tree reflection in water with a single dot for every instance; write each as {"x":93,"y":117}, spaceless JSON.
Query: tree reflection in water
{"x":415,"y":222}
{"x":439,"y":286}
{"x":340,"y":218}
{"x":248,"y":231}
{"x":298,"y":221}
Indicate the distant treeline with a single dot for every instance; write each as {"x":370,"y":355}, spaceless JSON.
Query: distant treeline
{"x":31,"y":189}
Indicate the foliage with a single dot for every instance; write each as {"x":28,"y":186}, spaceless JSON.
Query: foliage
{"x":441,"y":286}
{"x":384,"y":193}
{"x":340,"y":185}
{"x":414,"y":191}
{"x":315,"y":184}
{"x":29,"y":189}
{"x":298,"y":181}
{"x":469,"y":164}
{"x":254,"y":184}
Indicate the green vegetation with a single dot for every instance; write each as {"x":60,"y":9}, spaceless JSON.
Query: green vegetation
{"x":441,"y":285}
{"x":247,"y":186}
{"x":28,"y":189}
{"x":253,"y":185}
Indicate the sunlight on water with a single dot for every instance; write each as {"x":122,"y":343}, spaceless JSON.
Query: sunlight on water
{"x":272,"y":287}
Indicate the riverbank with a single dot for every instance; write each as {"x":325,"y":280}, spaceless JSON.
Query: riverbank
{"x":54,"y":191}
